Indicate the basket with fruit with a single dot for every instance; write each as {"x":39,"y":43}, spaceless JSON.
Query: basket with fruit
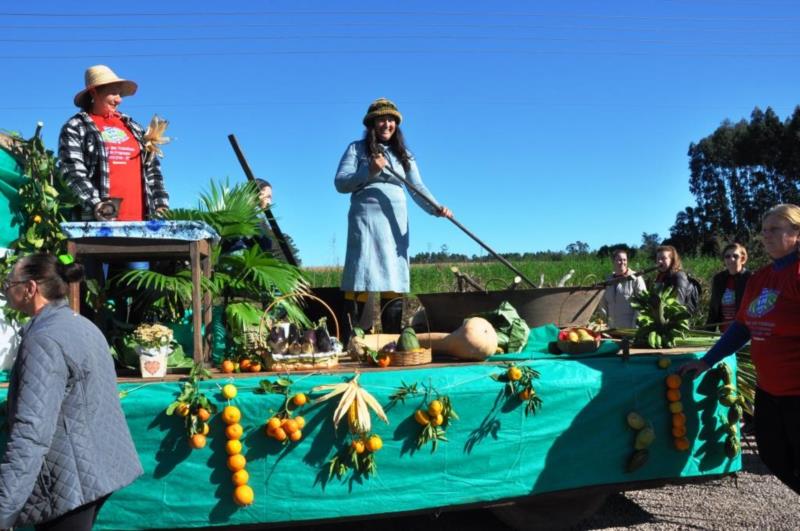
{"x":578,"y":340}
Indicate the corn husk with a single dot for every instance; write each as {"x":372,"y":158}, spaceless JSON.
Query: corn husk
{"x":154,"y":137}
{"x":355,"y":402}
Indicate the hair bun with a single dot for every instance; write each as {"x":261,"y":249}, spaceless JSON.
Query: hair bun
{"x":73,"y":272}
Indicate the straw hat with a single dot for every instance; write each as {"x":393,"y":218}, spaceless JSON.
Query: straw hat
{"x":99,"y":75}
{"x":382,"y":107}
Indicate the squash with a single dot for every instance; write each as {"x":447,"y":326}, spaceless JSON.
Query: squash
{"x":474,"y":340}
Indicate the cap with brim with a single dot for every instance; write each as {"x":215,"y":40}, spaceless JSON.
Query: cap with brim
{"x":99,"y":75}
{"x":382,"y":107}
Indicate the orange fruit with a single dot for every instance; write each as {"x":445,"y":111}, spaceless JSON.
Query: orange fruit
{"x":274,"y":423}
{"x":244,"y":364}
{"x":682,"y":444}
{"x":203,"y":414}
{"x":198,"y":440}
{"x":358,"y":446}
{"x":295,"y":436}
{"x":227,"y":366}
{"x":229,"y":391}
{"x":434,"y":408}
{"x":301,"y":422}
{"x":255,"y":367}
{"x":279,"y":434}
{"x":673,"y":381}
{"x":231,"y":415}
{"x":243,"y":495}
{"x":240,"y":477}
{"x":234,"y":432}
{"x":525,"y":395}
{"x":514,"y":373}
{"x":182,"y":409}
{"x":374,"y":443}
{"x":678,"y":431}
{"x":673,"y":395}
{"x":299,"y":399}
{"x":236,"y":462}
{"x":205,"y":429}
{"x":438,"y":420}
{"x":675,"y":407}
{"x":290,"y":426}
{"x":37,"y":219}
{"x":384,"y":361}
{"x":233,"y":447}
{"x":678,"y":419}
{"x":422,"y":418}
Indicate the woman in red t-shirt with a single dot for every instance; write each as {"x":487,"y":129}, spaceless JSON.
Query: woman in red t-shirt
{"x":769,"y":317}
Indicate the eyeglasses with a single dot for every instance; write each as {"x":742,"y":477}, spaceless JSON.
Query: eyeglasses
{"x":8,"y":284}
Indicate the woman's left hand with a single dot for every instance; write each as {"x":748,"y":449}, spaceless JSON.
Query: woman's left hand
{"x":445,"y":212}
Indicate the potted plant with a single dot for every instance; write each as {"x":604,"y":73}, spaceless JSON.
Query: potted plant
{"x":153,"y":344}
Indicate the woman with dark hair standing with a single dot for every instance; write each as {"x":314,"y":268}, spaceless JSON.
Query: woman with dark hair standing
{"x":727,"y":287}
{"x":671,"y":275}
{"x":68,"y":446}
{"x":377,"y":235}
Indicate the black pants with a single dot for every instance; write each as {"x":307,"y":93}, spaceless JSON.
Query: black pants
{"x":777,"y":422}
{"x":80,"y":519}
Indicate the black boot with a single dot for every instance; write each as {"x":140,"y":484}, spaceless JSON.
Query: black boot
{"x":392,"y":317}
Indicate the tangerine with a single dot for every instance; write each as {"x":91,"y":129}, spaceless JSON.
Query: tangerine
{"x":234,"y":432}
{"x":197,"y":441}
{"x":290,"y":426}
{"x":301,"y":422}
{"x":514,"y":373}
{"x":678,"y":419}
{"x":231,"y":415}
{"x":422,"y":417}
{"x":279,"y":434}
{"x":236,"y":462}
{"x":240,"y":477}
{"x":673,"y":381}
{"x":675,"y":407}
{"x":233,"y":447}
{"x":203,"y":414}
{"x":244,"y":364}
{"x":243,"y":495}
{"x":374,"y":443}
{"x":525,"y":395}
{"x":205,"y":429}
{"x":678,"y":431}
{"x":384,"y":361}
{"x":295,"y":436}
{"x":182,"y":409}
{"x":227,"y":366}
{"x":299,"y":399}
{"x":435,"y":407}
{"x":358,"y":446}
{"x":438,"y":420}
{"x":255,"y":367}
{"x":229,"y":391}
{"x":682,"y":444}
{"x":274,"y":423}
{"x":673,"y":395}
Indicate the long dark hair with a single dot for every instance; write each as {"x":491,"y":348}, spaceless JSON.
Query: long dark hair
{"x":49,"y":273}
{"x":397,"y":144}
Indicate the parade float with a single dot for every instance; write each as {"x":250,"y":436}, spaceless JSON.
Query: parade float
{"x":277,"y":419}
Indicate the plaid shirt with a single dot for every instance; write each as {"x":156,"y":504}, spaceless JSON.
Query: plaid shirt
{"x":84,"y":164}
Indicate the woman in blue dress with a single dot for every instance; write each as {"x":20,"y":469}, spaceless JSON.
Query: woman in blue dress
{"x":377,"y":235}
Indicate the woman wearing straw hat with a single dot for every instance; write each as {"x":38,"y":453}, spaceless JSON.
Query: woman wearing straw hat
{"x":102,"y":153}
{"x":377,"y":236}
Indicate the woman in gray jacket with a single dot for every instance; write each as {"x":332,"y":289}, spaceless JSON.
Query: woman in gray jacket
{"x":68,"y":445}
{"x":620,"y":287}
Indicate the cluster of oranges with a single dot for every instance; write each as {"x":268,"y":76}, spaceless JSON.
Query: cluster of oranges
{"x":680,"y":441}
{"x":287,"y":429}
{"x":231,"y":415}
{"x":199,"y":419}
{"x":433,"y":415}
{"x":244,"y":365}
{"x":366,"y":443}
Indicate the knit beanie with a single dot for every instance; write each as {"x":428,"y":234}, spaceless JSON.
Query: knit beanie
{"x":382,"y":107}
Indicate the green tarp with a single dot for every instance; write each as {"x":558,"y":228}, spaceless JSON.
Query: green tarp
{"x":11,"y":179}
{"x":579,"y":438}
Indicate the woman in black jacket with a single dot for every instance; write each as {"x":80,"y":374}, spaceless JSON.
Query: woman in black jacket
{"x":727,"y":287}
{"x":671,"y":275}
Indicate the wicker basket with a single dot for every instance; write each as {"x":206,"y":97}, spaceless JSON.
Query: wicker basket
{"x":579,"y":347}
{"x":296,"y":362}
{"x":398,"y":358}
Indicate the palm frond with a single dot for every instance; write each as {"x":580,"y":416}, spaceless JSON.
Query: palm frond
{"x":242,"y":314}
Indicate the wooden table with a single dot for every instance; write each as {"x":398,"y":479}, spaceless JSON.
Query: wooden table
{"x":197,"y":251}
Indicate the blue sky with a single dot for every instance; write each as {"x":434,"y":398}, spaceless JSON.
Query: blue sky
{"x":538,"y":123}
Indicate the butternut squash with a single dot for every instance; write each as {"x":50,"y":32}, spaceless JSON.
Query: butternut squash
{"x":474,"y":340}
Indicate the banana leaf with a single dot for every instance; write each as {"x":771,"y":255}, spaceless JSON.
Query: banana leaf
{"x":512,"y":331}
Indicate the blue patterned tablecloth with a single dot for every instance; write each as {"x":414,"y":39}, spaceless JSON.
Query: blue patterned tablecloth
{"x":155,"y":229}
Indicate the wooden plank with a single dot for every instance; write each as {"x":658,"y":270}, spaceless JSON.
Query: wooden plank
{"x":197,"y":308}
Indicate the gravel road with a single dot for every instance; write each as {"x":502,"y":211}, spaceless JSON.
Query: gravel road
{"x":752,"y":499}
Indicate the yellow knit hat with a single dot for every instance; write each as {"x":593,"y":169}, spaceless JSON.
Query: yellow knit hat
{"x":382,"y":107}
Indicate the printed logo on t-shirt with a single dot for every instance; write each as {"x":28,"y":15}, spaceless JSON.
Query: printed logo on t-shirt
{"x":114,"y":135}
{"x":729,"y":297}
{"x":764,"y":303}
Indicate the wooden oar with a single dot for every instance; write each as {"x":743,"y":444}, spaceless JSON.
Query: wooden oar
{"x":273,"y":223}
{"x":438,"y":207}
